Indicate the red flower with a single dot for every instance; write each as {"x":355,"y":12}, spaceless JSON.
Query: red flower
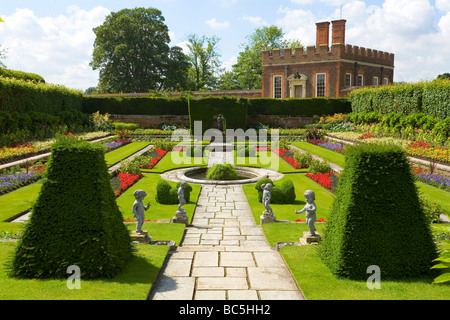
{"x":279,"y":152}
{"x":127,"y":180}
{"x":324,"y":179}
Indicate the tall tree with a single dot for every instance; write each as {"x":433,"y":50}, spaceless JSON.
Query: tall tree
{"x":248,"y":69}
{"x":132,"y":53}
{"x":204,"y":61}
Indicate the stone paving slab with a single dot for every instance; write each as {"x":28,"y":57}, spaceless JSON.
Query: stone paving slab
{"x":225,"y":255}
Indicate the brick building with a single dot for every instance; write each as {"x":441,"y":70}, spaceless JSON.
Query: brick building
{"x":323,"y":70}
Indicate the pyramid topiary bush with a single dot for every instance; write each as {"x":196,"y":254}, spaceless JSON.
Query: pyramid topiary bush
{"x":376,"y":218}
{"x":75,"y":220}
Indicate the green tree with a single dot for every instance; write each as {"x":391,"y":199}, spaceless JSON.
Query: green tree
{"x":248,"y":69}
{"x":132,"y":53}
{"x":444,"y":76}
{"x":204,"y":62}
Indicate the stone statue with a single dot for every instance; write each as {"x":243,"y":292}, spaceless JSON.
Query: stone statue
{"x":180,"y":215}
{"x":220,"y":122}
{"x":267,"y":215}
{"x":181,"y":200}
{"x":297,"y":75}
{"x":310,"y":209}
{"x":139,"y":209}
{"x":267,"y":187}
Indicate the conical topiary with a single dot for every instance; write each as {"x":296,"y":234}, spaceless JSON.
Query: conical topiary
{"x":75,"y":220}
{"x":376,"y":218}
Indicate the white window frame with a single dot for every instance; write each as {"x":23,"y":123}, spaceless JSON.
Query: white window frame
{"x":350,"y":82}
{"x":362,"y":80}
{"x":375,"y":81}
{"x":275,"y":88}
{"x":324,"y":84}
{"x":385,"y":81}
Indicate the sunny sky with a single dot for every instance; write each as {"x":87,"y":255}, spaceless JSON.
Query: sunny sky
{"x":54,"y":38}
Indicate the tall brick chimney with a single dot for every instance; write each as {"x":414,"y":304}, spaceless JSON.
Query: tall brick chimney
{"x":323,"y":33}
{"x":338,"y":33}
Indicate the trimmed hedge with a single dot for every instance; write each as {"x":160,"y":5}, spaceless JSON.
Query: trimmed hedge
{"x":25,"y":96}
{"x":6,"y":73}
{"x":221,"y":171}
{"x":153,"y":106}
{"x":233,"y":110}
{"x":307,"y":107}
{"x":432,"y":98}
{"x":376,"y":218}
{"x":75,"y":220}
{"x":166,"y":194}
{"x":209,"y":107}
{"x":280,"y":194}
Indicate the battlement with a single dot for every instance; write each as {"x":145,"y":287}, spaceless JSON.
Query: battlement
{"x":323,"y":52}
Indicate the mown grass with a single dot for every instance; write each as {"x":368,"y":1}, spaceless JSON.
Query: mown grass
{"x":121,"y":153}
{"x":328,"y":155}
{"x":266,"y":159}
{"x":157,"y":211}
{"x":175,"y":159}
{"x":133,"y":283}
{"x":18,"y":201}
{"x":317,"y":283}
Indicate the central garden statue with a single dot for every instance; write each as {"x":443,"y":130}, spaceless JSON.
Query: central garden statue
{"x":267,"y":215}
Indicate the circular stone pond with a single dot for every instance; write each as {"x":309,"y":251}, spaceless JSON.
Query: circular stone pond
{"x":197,"y":175}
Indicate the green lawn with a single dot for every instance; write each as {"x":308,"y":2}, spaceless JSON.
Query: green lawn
{"x":175,"y":159}
{"x":268,"y":160}
{"x":328,"y":155}
{"x":157,"y":211}
{"x":324,"y":199}
{"x":18,"y":201}
{"x":317,"y":283}
{"x":133,"y":283}
{"x":121,"y":153}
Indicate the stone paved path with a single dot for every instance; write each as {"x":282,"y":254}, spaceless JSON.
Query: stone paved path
{"x":225,"y":255}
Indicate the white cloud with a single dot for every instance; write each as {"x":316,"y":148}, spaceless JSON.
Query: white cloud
{"x":443,"y":5}
{"x":298,"y":24}
{"x":228,"y":64}
{"x":58,"y":48}
{"x":213,"y":23}
{"x":257,"y":21}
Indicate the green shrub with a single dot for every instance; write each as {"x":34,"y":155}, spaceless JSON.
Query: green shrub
{"x":317,"y":166}
{"x":303,"y":159}
{"x":6,"y":73}
{"x":280,"y":194}
{"x":125,"y":126}
{"x":166,"y":194}
{"x":221,"y":171}
{"x":313,"y":133}
{"x":24,"y":96}
{"x":376,"y":208}
{"x":75,"y":220}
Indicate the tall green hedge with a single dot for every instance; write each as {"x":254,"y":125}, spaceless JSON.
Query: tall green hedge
{"x":179,"y":106}
{"x":75,"y":220}
{"x":233,"y":110}
{"x":25,"y":96}
{"x":136,"y":105}
{"x":298,"y":107}
{"x":376,"y":218}
{"x":432,"y":98}
{"x":6,"y":73}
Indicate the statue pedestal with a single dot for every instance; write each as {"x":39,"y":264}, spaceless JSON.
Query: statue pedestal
{"x":140,"y":237}
{"x":308,"y":239}
{"x":181,"y":217}
{"x":267,"y":217}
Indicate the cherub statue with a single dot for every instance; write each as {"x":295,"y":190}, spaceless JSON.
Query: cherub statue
{"x":310,"y":209}
{"x":139,"y":209}
{"x":181,"y":200}
{"x":267,"y":187}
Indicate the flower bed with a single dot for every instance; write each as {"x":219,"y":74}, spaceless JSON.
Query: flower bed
{"x":324,"y":179}
{"x":117,"y":143}
{"x":154,"y":160}
{"x":285,"y":154}
{"x":126,"y":181}
{"x":435,"y":180}
{"x":318,"y":220}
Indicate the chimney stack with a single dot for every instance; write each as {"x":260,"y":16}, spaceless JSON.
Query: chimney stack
{"x":338,"y":33}
{"x":323,"y":33}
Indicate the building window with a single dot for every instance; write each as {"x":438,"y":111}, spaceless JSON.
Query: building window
{"x":320,"y":84}
{"x":360,"y":80}
{"x":277,"y":87}
{"x":375,"y":81}
{"x":385,"y":81}
{"x":348,"y":80}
